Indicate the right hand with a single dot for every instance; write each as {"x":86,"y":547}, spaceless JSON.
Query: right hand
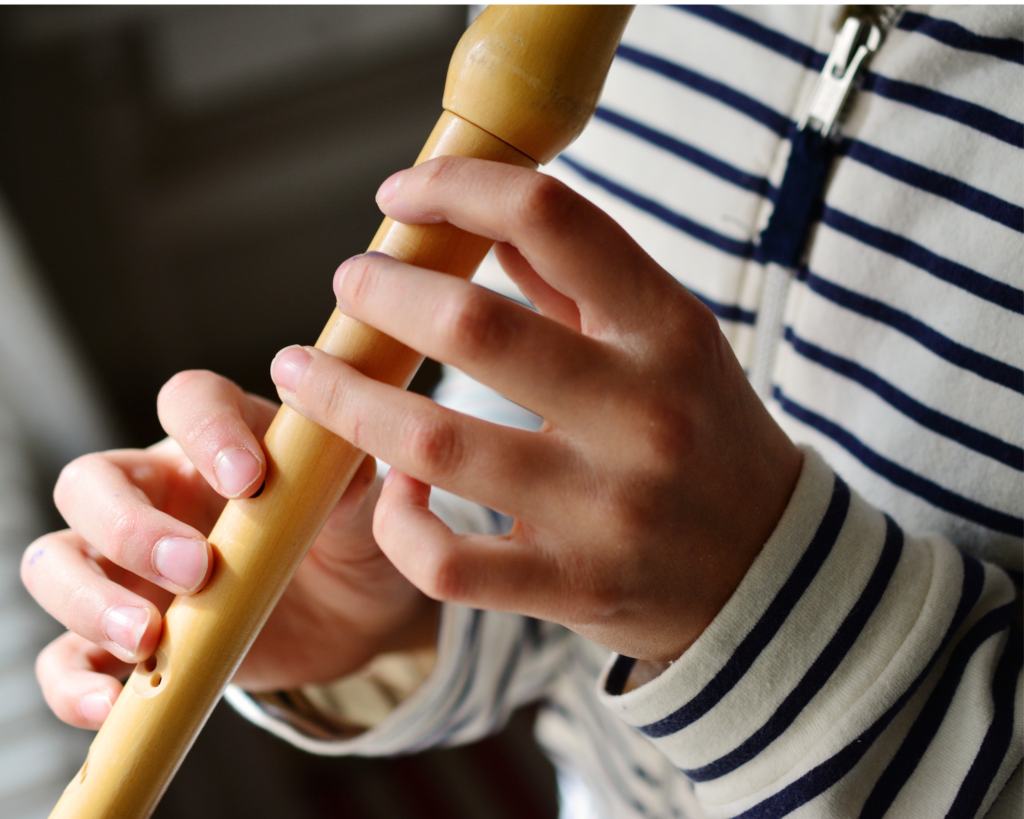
{"x":138,"y":520}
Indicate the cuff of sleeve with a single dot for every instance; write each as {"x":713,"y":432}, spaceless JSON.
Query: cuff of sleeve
{"x":378,"y":710}
{"x":354,"y":704}
{"x":784,"y":655}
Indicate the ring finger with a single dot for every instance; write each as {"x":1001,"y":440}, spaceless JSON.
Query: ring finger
{"x":69,"y":585}
{"x":433,"y":444}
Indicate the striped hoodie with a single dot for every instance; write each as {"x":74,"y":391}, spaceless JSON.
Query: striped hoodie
{"x":869,"y":664}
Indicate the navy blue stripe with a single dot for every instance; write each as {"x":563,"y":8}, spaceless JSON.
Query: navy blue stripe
{"x":753,"y":108}
{"x":986,"y":367}
{"x":822,"y":668}
{"x":745,"y":250}
{"x":695,"y":156}
{"x":997,"y":739}
{"x":771,"y":621}
{"x":727,"y":312}
{"x":911,"y":173}
{"x":921,"y":733}
{"x":822,"y":777}
{"x":956,"y":36}
{"x":755,"y":32}
{"x":901,"y":476}
{"x":619,"y":674}
{"x":977,"y":284}
{"x":932,"y":181}
{"x":968,"y":436}
{"x":935,"y":102}
{"x":922,"y":178}
{"x":966,"y":113}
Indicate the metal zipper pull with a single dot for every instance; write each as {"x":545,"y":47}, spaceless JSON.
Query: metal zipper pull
{"x":857,"y":40}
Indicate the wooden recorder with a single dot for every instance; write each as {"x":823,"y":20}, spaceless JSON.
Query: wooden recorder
{"x":523,"y":82}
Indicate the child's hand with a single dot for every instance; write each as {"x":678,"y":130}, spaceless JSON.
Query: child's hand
{"x":658,"y":474}
{"x":138,"y":519}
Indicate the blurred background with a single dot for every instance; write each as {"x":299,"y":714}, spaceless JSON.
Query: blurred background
{"x":177,"y":187}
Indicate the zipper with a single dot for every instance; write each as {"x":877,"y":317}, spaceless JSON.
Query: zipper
{"x":862,"y":33}
{"x":858,"y":39}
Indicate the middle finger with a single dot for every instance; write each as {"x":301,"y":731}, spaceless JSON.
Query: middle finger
{"x":536,"y":362}
{"x":100,"y":502}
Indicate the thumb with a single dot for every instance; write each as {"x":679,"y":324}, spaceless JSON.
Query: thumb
{"x":349,"y":525}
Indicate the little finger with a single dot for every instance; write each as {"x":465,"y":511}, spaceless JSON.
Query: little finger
{"x":502,"y":573}
{"x":78,"y":680}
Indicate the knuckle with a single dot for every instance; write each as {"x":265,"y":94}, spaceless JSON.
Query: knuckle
{"x":665,"y":437}
{"x":600,"y":593}
{"x":442,"y":578}
{"x":200,"y":433}
{"x":180,"y":383}
{"x":45,"y":662}
{"x":327,"y":398}
{"x":184,"y":407}
{"x":68,"y":477}
{"x":73,"y":475}
{"x":120,"y":531}
{"x":433,"y":447}
{"x":79,"y":603}
{"x":356,"y":286}
{"x":438,"y":171}
{"x":543,"y":203}
{"x":476,"y":322}
{"x":704,"y":327}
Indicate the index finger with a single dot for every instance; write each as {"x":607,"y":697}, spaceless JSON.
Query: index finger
{"x":570,"y":242}
{"x":217,"y":424}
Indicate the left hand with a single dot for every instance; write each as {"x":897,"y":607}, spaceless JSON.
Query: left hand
{"x":658,"y":474}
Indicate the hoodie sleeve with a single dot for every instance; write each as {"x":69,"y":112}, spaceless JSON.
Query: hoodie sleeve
{"x":855,"y":671}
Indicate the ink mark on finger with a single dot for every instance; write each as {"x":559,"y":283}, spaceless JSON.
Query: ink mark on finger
{"x":32,"y":560}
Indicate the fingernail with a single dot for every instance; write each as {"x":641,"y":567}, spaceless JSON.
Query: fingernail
{"x":287,"y":367}
{"x":181,"y":560}
{"x":236,"y":469}
{"x":339,"y":275}
{"x":389,"y":477}
{"x":95,"y":706}
{"x":386,"y":192}
{"x":125,"y":626}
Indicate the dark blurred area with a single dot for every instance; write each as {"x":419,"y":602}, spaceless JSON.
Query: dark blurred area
{"x":187,"y":180}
